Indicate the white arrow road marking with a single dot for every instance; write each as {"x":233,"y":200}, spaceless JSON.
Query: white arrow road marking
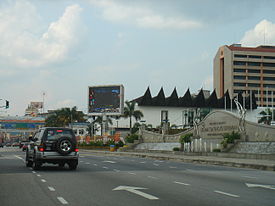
{"x":225,"y":193}
{"x":112,"y":162}
{"x":135,"y":191}
{"x":272,"y":187}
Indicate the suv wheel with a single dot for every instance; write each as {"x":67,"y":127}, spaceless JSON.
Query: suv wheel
{"x":65,"y":145}
{"x":73,"y":165}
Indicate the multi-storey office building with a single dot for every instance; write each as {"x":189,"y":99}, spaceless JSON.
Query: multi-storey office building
{"x":246,"y":69}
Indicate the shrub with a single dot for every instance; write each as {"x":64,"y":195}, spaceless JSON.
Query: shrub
{"x":216,"y":150}
{"x":176,"y":149}
{"x":131,"y":138}
{"x":186,"y":138}
{"x":230,"y":138}
{"x":120,"y":144}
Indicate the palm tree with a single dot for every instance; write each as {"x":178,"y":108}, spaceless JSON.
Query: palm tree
{"x":64,"y":116}
{"x":129,"y":111}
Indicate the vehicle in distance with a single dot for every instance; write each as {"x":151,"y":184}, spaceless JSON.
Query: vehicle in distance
{"x":1,"y":145}
{"x":52,"y":145}
{"x":24,"y":146}
{"x":15,"y":144}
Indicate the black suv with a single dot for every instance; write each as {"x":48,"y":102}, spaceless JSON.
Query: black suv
{"x":52,"y":145}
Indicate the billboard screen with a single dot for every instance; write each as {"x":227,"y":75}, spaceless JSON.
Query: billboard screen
{"x":106,"y":99}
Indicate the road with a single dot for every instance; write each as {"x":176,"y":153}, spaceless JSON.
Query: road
{"x":116,"y":180}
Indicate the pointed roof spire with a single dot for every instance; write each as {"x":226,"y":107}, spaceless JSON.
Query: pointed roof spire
{"x":146,"y":99}
{"x":186,"y":100}
{"x":212,"y":101}
{"x":173,"y":100}
{"x":199,"y":101}
{"x":159,"y":100}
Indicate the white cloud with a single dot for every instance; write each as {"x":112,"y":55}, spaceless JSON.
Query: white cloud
{"x":262,"y":33}
{"x":141,"y":17}
{"x":22,"y":41}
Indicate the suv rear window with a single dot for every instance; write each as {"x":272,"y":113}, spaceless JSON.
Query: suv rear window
{"x":53,"y":134}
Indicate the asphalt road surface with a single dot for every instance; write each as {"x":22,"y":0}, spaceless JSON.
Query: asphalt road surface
{"x":115,"y":180}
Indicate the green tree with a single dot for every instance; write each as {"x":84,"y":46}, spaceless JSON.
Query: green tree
{"x":129,"y":111}
{"x":266,"y":116}
{"x":64,"y":116}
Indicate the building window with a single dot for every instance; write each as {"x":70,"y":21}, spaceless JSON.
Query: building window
{"x":253,"y":78}
{"x":254,"y":57}
{"x":269,"y":92}
{"x":237,"y":91}
{"x":266,"y":71}
{"x":239,"y":70}
{"x":254,"y":71}
{"x":240,"y":56}
{"x":269,"y":64}
{"x":239,"y":63}
{"x":269,"y":78}
{"x":164,"y":116}
{"x":254,"y":64}
{"x":269,"y":85}
{"x":238,"y":84}
{"x":239,"y":77}
{"x":253,"y":85}
{"x":269,"y":57}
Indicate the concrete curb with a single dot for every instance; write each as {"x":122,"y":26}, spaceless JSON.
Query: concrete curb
{"x":268,"y":165}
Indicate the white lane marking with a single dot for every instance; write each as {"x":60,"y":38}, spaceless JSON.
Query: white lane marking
{"x":181,"y":183}
{"x":116,"y":170}
{"x":250,"y":177}
{"x":225,"y":193}
{"x":132,"y":160}
{"x":51,"y":189}
{"x":131,"y":173}
{"x":87,"y":163}
{"x":42,"y":180}
{"x":62,"y":200}
{"x":82,"y":156}
{"x":81,"y":161}
{"x":95,"y":164}
{"x":33,"y":172}
{"x":105,"y":168}
{"x":172,"y":167}
{"x":142,"y":162}
{"x":19,"y":158}
{"x":112,"y":162}
{"x":152,"y":177}
{"x":272,"y":187}
{"x":136,"y":191}
{"x":158,"y":161}
{"x":156,"y":164}
{"x":38,"y":175}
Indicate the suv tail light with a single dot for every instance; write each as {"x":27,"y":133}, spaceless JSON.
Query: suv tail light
{"x":76,"y":149}
{"x":41,"y":149}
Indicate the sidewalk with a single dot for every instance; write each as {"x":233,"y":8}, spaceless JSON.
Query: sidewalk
{"x":211,"y":160}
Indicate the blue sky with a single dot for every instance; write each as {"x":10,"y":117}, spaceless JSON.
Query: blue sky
{"x":61,"y":47}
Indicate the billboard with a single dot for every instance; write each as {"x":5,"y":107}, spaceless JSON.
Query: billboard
{"x":107,"y":99}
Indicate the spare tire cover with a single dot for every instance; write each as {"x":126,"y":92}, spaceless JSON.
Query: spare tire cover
{"x":65,"y":145}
